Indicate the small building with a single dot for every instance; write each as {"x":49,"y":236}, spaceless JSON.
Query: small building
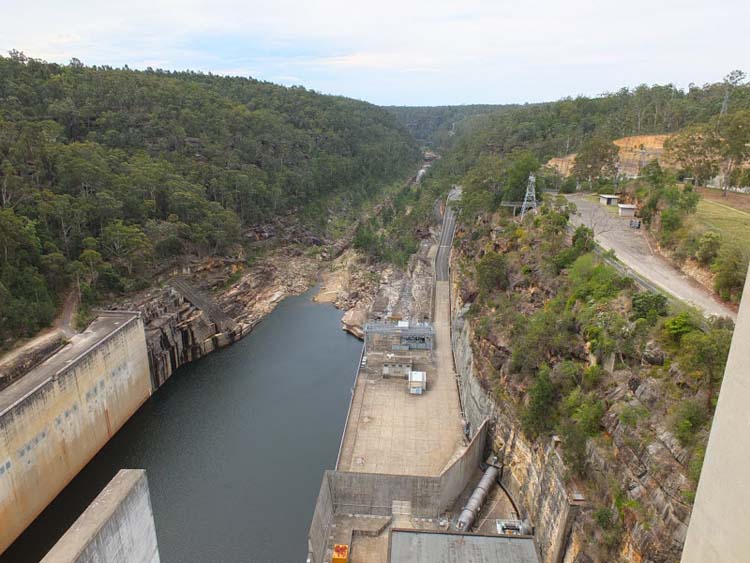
{"x":608,"y":199}
{"x":397,"y":366}
{"x":417,"y":382}
{"x":626,"y":209}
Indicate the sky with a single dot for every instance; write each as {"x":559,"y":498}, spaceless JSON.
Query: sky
{"x":422,"y":52}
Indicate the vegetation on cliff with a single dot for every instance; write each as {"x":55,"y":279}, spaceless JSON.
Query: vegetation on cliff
{"x":106,"y":173}
{"x":626,"y":380}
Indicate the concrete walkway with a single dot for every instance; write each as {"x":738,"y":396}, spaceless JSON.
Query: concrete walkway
{"x":392,"y":432}
{"x":632,"y":249}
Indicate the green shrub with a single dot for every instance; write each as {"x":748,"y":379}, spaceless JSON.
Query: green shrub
{"x":589,"y":415}
{"x":649,"y":306}
{"x":688,"y":419}
{"x":574,"y":446}
{"x":630,"y":415}
{"x":708,"y":248}
{"x":591,"y":376}
{"x":492,"y":272}
{"x":679,"y":325}
{"x":731,"y":268}
{"x":538,"y":415}
{"x":604,"y":517}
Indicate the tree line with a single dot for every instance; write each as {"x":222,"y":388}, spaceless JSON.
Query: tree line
{"x":106,"y":172}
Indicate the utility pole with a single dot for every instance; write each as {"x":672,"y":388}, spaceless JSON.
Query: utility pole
{"x":529,"y":200}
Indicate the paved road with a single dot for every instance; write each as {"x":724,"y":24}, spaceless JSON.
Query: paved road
{"x":446,"y":238}
{"x":633,"y":250}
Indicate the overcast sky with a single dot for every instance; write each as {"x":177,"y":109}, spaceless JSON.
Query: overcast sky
{"x":424,"y":52}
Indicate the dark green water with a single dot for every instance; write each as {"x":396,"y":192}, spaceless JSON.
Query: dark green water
{"x":234,"y":445}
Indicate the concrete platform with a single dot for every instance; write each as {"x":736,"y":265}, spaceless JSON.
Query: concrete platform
{"x":390,"y":431}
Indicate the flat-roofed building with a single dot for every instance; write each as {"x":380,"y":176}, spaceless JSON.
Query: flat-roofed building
{"x":609,"y":199}
{"x":397,"y":366}
{"x":421,"y":546}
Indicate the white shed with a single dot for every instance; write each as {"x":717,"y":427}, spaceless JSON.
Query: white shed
{"x":417,"y":382}
{"x":626,"y":209}
{"x":608,"y":199}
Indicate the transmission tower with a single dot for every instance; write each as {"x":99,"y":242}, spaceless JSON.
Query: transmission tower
{"x":529,"y":200}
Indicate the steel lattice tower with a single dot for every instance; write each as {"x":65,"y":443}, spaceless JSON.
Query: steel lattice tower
{"x":529,"y":200}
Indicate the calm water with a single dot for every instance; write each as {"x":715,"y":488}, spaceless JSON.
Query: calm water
{"x":234,"y":445}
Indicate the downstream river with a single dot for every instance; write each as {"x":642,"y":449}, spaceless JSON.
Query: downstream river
{"x":234,"y":445}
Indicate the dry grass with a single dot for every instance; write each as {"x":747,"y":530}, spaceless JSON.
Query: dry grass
{"x":733,"y":225}
{"x":732,"y":199}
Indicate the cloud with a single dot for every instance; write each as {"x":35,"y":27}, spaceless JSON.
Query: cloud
{"x":416,"y":52}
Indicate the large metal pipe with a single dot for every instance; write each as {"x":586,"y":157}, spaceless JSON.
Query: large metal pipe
{"x":477,"y":498}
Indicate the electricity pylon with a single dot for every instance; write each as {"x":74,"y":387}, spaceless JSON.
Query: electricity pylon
{"x":529,"y":200}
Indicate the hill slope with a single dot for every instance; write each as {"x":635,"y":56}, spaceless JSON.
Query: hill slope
{"x":106,"y":172}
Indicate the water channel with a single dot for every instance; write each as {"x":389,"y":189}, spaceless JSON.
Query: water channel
{"x":234,"y":445}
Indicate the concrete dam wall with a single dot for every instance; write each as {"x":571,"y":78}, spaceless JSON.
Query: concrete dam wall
{"x":58,"y":416}
{"x":117,"y":527}
{"x":718,"y":525}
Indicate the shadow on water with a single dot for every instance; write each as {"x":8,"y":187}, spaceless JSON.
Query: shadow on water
{"x":234,"y":445}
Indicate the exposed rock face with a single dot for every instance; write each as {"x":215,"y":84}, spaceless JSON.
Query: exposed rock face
{"x":178,"y":332}
{"x":649,"y":470}
{"x":653,"y":354}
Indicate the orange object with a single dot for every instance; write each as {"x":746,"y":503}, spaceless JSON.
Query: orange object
{"x":340,"y":553}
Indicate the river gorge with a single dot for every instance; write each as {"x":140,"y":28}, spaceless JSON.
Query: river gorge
{"x":234,"y":444}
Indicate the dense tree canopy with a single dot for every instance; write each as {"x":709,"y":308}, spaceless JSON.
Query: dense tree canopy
{"x":565,"y":126}
{"x":104,"y":170}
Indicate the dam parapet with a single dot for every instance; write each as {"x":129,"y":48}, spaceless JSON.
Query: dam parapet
{"x":61,"y":413}
{"x":117,"y":527}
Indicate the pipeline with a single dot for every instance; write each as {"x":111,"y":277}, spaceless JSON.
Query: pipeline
{"x":475,"y":502}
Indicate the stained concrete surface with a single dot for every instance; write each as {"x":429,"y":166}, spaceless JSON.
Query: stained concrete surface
{"x":102,"y":328}
{"x":719,"y":522}
{"x":117,"y":527}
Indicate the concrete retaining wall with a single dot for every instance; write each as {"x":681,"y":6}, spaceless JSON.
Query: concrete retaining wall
{"x":58,"y":416}
{"x":117,"y":527}
{"x":320,"y":527}
{"x":345,"y":492}
{"x":718,"y":524}
{"x":374,"y":493}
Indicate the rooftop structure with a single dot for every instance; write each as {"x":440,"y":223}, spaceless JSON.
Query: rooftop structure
{"x":417,"y":382}
{"x":399,"y":336}
{"x":421,"y":546}
{"x":608,"y":199}
{"x":397,"y":366}
{"x":626,"y":209}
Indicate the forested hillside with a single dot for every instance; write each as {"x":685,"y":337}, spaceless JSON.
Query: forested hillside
{"x":434,"y":126}
{"x":559,"y":128}
{"x":105,"y":172}
{"x":626,"y":380}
